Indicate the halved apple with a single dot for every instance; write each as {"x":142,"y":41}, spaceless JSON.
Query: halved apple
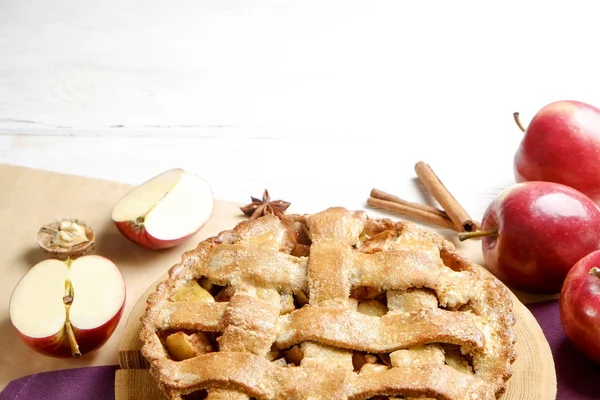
{"x":164,"y":211}
{"x":68,"y":308}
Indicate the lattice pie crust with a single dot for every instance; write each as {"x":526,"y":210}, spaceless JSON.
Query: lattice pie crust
{"x":333,"y":305}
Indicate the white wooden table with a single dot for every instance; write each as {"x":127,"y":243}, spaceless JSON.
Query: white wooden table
{"x":318,"y":101}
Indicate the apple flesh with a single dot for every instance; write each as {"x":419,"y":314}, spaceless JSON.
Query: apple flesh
{"x":561,"y":144}
{"x":164,"y":211}
{"x":580,"y":305}
{"x":182,"y":346}
{"x":534,"y":232}
{"x":68,"y":308}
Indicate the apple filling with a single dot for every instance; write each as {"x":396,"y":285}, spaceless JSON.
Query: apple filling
{"x":374,"y":308}
{"x":367,"y":293}
{"x":376,"y":237}
{"x":291,"y":357}
{"x":366,"y":362}
{"x":299,"y":244}
{"x":369,"y":300}
{"x":375,"y":244}
{"x":182,"y":346}
{"x":300,"y":250}
{"x":294,"y":355}
{"x":290,"y":302}
{"x":203,"y":290}
{"x":192,"y":291}
{"x":454,"y":358}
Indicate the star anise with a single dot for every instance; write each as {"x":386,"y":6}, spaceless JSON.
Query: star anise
{"x":259,"y":207}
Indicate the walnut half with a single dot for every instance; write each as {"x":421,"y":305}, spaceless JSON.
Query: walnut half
{"x":67,"y":238}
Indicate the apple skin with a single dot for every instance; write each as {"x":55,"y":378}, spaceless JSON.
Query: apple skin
{"x":137,"y":234}
{"x":57,"y":345}
{"x":543,"y":228}
{"x":562,"y":144}
{"x":134,"y":223}
{"x":580,"y":306}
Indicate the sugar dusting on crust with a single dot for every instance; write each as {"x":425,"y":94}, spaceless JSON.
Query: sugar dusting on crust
{"x":470,"y":309}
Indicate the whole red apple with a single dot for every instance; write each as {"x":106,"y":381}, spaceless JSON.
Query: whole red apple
{"x":534,"y":232}
{"x":562,"y":144}
{"x":580,"y":305}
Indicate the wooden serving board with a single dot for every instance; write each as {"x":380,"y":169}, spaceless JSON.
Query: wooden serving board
{"x":534,"y":375}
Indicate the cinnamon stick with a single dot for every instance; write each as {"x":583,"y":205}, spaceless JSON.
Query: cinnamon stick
{"x":458,"y":215}
{"x":380,"y":194}
{"x":425,"y":216}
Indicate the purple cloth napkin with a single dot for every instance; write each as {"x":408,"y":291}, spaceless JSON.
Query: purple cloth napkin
{"x":578,"y":379}
{"x":89,"y":383}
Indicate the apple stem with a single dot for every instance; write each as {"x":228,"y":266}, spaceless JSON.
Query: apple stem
{"x":72,"y":341}
{"x":518,"y":121}
{"x":470,"y":235}
{"x":595,"y":271}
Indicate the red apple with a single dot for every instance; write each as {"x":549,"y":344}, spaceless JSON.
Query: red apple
{"x":164,"y":211}
{"x":68,"y":308}
{"x":561,"y":144}
{"x":580,"y":305}
{"x":534,"y":232}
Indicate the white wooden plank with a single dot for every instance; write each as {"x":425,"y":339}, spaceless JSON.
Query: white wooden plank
{"x":284,"y":69}
{"x":312,"y":174}
{"x":318,"y":101}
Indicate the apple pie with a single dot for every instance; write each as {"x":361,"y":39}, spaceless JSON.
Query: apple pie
{"x":332,"y":305}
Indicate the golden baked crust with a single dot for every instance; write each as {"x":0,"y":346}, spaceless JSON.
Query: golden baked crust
{"x":446,"y":331}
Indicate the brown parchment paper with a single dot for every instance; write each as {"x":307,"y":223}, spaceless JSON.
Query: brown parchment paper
{"x":30,"y":198}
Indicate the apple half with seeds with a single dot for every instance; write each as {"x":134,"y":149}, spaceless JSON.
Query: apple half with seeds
{"x":67,"y":308}
{"x":164,"y":211}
